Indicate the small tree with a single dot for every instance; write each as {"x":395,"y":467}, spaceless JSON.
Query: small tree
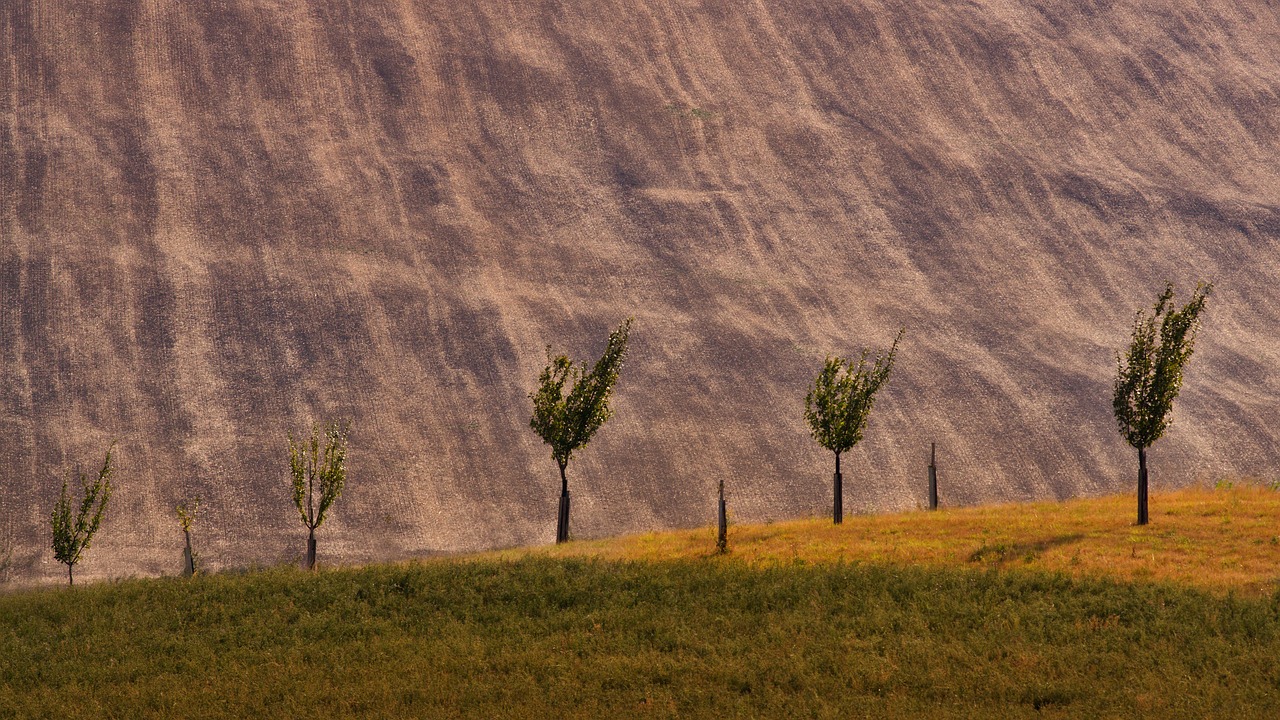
{"x":71,"y":536}
{"x":187,"y":511}
{"x":567,"y":423}
{"x":838,"y":405}
{"x":318,"y":469}
{"x":1149,"y":375}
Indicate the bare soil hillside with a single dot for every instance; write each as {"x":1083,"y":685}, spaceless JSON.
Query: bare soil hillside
{"x":222,"y":220}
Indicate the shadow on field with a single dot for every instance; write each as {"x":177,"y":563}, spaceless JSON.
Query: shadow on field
{"x":1000,"y":553}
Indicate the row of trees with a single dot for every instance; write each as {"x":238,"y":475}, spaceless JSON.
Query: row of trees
{"x":317,"y":470}
{"x":839,"y":402}
{"x":836,"y":408}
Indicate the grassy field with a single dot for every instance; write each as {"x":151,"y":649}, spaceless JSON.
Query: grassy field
{"x":799,"y":620}
{"x":1225,"y":539}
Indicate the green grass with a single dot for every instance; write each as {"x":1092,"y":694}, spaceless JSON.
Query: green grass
{"x":580,"y":637}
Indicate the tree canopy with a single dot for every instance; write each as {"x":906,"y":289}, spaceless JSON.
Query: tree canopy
{"x":842,"y":395}
{"x":311,"y":464}
{"x":567,"y":422}
{"x":1149,"y":374}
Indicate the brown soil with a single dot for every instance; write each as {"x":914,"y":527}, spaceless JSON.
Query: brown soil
{"x":222,"y":220}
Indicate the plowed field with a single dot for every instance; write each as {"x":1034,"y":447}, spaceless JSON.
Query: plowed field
{"x":222,"y":220}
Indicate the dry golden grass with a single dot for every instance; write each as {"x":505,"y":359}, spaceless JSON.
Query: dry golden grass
{"x":1222,"y":540}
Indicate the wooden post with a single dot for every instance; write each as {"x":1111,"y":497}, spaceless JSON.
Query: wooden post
{"x":837,"y":508}
{"x":311,"y":550}
{"x":562,"y":524}
{"x":933,"y":476}
{"x":1142,"y":486}
{"x":722,"y":529}
{"x":837,"y":512}
{"x":188,"y":557}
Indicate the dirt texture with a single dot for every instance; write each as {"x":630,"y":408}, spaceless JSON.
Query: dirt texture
{"x":224,"y":219}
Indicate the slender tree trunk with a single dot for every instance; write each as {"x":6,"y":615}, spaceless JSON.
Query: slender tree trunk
{"x":311,"y":548}
{"x":837,"y":509}
{"x":189,"y":557}
{"x":933,"y":476}
{"x":1142,"y":486}
{"x":562,"y":521}
{"x":70,"y":580}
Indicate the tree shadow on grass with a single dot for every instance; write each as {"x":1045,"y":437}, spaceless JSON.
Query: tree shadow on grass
{"x":1001,"y":553}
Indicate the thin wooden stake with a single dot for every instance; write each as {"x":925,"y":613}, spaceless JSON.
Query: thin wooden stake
{"x":933,"y":476}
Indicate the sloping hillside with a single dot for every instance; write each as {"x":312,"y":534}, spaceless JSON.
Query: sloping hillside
{"x":220,"y":221}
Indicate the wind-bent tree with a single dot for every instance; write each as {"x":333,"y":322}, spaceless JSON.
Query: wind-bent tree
{"x":71,"y":536}
{"x":1149,"y":375}
{"x":567,"y":422}
{"x":318,"y":465}
{"x":187,"y":511}
{"x":838,"y":405}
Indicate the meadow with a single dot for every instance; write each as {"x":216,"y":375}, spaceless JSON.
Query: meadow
{"x":1038,"y":610}
{"x":1222,"y":539}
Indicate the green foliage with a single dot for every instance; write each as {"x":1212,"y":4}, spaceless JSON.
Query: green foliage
{"x":187,"y":511}
{"x":693,"y":112}
{"x":73,"y":535}
{"x":840,"y":400}
{"x":315,"y":463}
{"x":545,"y":638}
{"x":567,"y":422}
{"x":1149,"y":375}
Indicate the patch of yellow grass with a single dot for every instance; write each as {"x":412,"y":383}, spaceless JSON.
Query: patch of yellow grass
{"x":1220,"y":540}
